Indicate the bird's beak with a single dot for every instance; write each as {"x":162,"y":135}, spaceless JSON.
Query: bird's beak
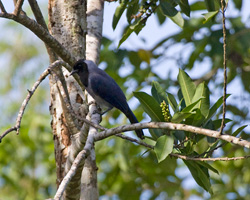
{"x":73,"y":72}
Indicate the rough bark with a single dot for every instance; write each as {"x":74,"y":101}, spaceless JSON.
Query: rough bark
{"x":67,"y":22}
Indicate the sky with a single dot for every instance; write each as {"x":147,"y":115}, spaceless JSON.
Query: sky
{"x":152,"y":33}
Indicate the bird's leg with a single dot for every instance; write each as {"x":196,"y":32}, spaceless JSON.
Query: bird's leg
{"x":106,"y":111}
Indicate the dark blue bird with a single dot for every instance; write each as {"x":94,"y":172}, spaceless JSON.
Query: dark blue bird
{"x":104,"y":89}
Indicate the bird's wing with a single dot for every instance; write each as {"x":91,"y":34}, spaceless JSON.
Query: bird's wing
{"x":106,"y":88}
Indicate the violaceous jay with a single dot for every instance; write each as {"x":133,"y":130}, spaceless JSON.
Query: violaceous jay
{"x":104,"y":89}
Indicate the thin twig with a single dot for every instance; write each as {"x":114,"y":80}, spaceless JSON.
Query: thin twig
{"x":173,"y":126}
{"x":7,"y":131}
{"x":134,"y":140}
{"x":179,"y":155}
{"x":37,"y":13}
{"x":2,"y":7}
{"x":208,"y":159}
{"x":18,"y":7}
{"x":28,"y":97}
{"x":224,"y":66}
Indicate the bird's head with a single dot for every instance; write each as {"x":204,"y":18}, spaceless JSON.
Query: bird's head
{"x":79,"y":66}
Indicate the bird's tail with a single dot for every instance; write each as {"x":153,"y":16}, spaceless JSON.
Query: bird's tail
{"x":130,"y":115}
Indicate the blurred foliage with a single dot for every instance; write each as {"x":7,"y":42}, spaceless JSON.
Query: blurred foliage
{"x":27,"y":167}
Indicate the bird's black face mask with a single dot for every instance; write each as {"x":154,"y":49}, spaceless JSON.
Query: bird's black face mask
{"x":81,"y":68}
{"x":78,"y":67}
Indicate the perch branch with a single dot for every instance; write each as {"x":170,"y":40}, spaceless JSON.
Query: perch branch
{"x":173,"y":126}
{"x":28,"y":97}
{"x":92,"y":137}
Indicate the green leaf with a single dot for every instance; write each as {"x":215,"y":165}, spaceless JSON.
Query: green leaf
{"x":217,"y":123}
{"x":210,"y":5}
{"x":185,"y":8}
{"x":163,"y":147}
{"x":187,"y":86}
{"x":192,"y":106}
{"x":118,"y":13}
{"x":235,"y":133}
{"x":158,"y":93}
{"x":204,"y":105}
{"x":180,"y":116}
{"x":150,"y":105}
{"x":135,"y":27}
{"x":169,"y":10}
{"x":209,"y":15}
{"x":198,"y":5}
{"x":200,"y":174}
{"x":172,"y":102}
{"x":155,"y":133}
{"x":208,"y":166}
{"x":132,"y":9}
{"x":215,"y":107}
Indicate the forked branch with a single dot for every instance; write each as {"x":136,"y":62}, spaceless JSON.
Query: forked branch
{"x":28,"y":97}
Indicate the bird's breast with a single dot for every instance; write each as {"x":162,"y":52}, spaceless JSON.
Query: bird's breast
{"x":101,"y":102}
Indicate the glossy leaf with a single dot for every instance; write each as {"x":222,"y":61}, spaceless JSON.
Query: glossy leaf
{"x":171,"y":12}
{"x":150,"y":105}
{"x":210,"y":5}
{"x":118,"y":13}
{"x":192,"y":106}
{"x":158,"y":93}
{"x":172,"y":102}
{"x":185,"y":7}
{"x":163,"y":147}
{"x":187,"y":86}
{"x":200,"y":175}
{"x":202,"y":91}
{"x":180,"y":116}
{"x":215,"y":107}
{"x":235,"y":133}
{"x":208,"y":16}
{"x":136,"y":27}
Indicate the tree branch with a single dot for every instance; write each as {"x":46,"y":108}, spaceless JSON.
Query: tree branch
{"x":173,"y":126}
{"x":2,"y":7}
{"x":28,"y":97}
{"x":37,"y":13}
{"x":224,"y":66}
{"x":183,"y":157}
{"x":80,"y":157}
{"x":43,"y":34}
{"x":93,"y":137}
{"x":18,"y":7}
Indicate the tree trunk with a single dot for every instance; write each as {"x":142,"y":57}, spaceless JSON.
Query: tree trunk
{"x":68,"y":24}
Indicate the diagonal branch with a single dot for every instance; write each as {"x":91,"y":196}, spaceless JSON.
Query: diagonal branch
{"x":37,"y":13}
{"x":43,"y":34}
{"x":28,"y":97}
{"x":2,"y":7}
{"x":173,"y":126}
{"x":18,"y":7}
